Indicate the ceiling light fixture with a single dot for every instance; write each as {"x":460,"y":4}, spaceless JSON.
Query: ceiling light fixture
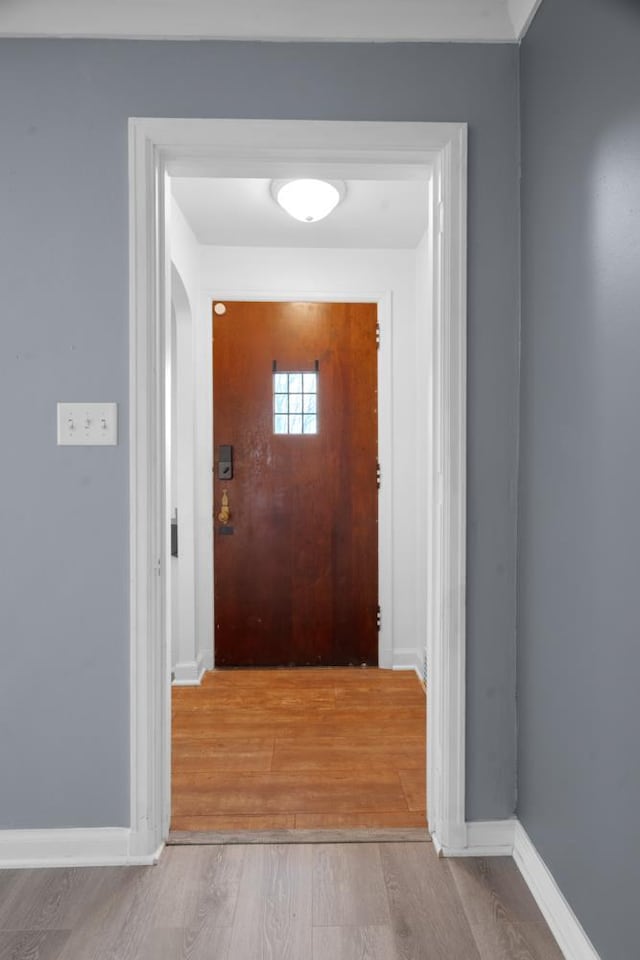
{"x":308,"y":200}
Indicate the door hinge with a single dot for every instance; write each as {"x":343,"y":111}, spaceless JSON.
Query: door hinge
{"x":378,"y":335}
{"x":378,"y":618}
{"x":378,"y":474}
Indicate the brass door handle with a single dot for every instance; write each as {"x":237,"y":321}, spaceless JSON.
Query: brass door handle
{"x":225,"y":514}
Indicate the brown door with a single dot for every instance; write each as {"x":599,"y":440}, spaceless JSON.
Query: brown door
{"x":296,"y":560}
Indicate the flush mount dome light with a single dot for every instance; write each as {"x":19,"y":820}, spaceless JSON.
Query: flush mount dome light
{"x":308,"y":200}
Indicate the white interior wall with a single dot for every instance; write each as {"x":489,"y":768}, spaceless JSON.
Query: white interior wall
{"x":187,"y":660}
{"x":332,"y":274}
{"x":173,"y":480}
{"x":424,"y":386}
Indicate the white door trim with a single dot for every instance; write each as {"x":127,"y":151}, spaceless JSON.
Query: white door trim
{"x":275,"y":148}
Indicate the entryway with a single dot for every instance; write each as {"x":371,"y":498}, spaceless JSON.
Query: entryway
{"x":435,"y":153}
{"x":296,"y":513}
{"x":295,"y":548}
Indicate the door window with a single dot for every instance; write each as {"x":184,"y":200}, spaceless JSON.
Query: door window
{"x":295,"y":402}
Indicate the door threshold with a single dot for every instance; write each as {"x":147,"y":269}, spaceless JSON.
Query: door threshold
{"x":178,"y":838}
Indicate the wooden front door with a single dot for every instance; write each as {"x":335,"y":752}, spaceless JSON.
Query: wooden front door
{"x":296,"y":557}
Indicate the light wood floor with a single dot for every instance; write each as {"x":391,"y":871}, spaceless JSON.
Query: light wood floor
{"x":326,"y":748}
{"x":276,"y":902}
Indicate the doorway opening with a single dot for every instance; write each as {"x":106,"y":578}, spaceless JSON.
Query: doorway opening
{"x":434,"y":153}
{"x":296,"y":481}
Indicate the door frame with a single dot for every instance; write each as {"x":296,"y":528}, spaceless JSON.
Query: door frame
{"x":436,"y":152}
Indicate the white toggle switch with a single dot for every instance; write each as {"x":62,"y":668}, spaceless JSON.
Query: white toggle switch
{"x":87,"y":424}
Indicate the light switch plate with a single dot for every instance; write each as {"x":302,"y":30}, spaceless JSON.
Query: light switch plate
{"x":88,"y":424}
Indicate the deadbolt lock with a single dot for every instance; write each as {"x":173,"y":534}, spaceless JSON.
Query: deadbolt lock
{"x":225,"y":462}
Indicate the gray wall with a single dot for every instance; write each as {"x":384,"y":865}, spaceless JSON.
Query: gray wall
{"x":64,"y":289}
{"x":579,"y":523}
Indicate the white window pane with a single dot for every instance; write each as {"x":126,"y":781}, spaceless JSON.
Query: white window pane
{"x":281,"y":424}
{"x":310,"y":423}
{"x":310,"y":383}
{"x":295,"y":402}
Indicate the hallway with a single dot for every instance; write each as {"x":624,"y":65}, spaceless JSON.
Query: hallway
{"x":387,"y":901}
{"x":328,"y":748}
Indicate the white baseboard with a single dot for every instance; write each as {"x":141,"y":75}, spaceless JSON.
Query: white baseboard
{"x":206,"y":659}
{"x":406,"y":659}
{"x":415,"y":669}
{"x":188,"y":673}
{"x":485,"y":838}
{"x":562,"y":921}
{"x":95,"y":847}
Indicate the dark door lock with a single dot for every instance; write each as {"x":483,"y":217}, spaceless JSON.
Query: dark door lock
{"x":225,"y":462}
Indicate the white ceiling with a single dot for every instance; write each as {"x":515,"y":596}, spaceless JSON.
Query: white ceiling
{"x":374,"y":215}
{"x":383,"y":20}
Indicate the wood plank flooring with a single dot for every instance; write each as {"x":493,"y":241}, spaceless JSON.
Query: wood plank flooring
{"x":276,"y":902}
{"x":332,"y":748}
